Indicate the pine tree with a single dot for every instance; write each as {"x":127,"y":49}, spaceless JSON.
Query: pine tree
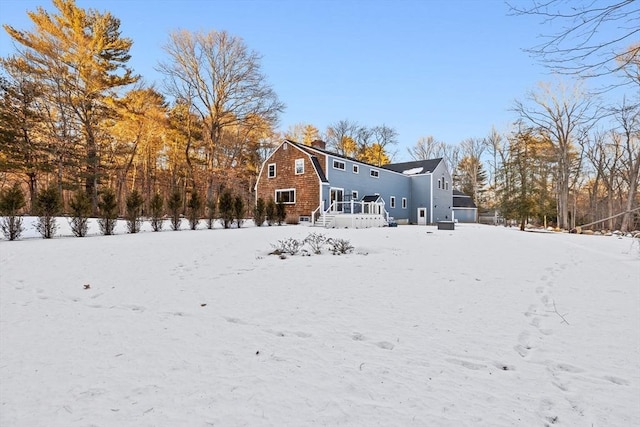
{"x":175,"y":205}
{"x":49,"y":205}
{"x":195,"y":207}
{"x":156,"y":206}
{"x":134,"y":207}
{"x":211,"y":213}
{"x":238,"y":210}
{"x":79,"y":57}
{"x":258,"y":212}
{"x":11,"y":202}
{"x":226,"y":208}
{"x":281,"y":213}
{"x":271,"y":212}
{"x":108,"y":206}
{"x":80,"y":205}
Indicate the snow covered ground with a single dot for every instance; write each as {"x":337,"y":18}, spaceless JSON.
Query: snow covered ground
{"x":417,"y":326}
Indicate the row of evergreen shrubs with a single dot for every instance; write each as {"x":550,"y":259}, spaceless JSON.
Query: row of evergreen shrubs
{"x":49,"y":207}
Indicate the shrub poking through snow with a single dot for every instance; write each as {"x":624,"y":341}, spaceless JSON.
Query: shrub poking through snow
{"x":339,"y":246}
{"x":48,"y":207}
{"x":108,"y":211}
{"x":289,"y":246}
{"x":238,"y":210}
{"x":316,"y":242}
{"x":80,"y":205}
{"x":211,"y":213}
{"x":134,"y":206}
{"x":258,"y":212}
{"x":225,"y":205}
{"x":281,"y":213}
{"x":270,"y":211}
{"x":156,"y":206}
{"x":195,"y":206}
{"x":11,"y":202}
{"x":174,"y":205}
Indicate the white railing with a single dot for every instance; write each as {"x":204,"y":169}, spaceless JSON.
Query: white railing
{"x":357,"y":214}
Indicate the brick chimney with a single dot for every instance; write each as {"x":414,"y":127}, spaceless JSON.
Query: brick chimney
{"x":318,"y":143}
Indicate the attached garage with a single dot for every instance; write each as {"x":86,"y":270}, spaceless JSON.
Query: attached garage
{"x":464,"y":209}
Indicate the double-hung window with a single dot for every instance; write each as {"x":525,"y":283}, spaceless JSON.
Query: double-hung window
{"x":299,"y":166}
{"x":286,"y":196}
{"x":271,"y":170}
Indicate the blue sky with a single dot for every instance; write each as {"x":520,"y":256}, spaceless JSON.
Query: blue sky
{"x":450,"y":69}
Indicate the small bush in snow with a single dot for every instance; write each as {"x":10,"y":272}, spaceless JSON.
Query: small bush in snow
{"x":258,"y":212}
{"x":134,"y":207}
{"x":281,"y":213}
{"x":339,"y":246}
{"x":80,"y":206}
{"x":211,"y":213}
{"x":156,"y":206}
{"x":108,"y":211}
{"x":238,"y":210}
{"x":289,"y":246}
{"x":11,"y":201}
{"x":48,"y":206}
{"x":270,"y":212}
{"x":316,"y":242}
{"x":174,"y":205}
{"x":225,"y":206}
{"x":195,"y":207}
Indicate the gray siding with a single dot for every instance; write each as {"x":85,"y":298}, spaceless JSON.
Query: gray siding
{"x":465,"y":214}
{"x":419,"y":190}
{"x":442,"y":197}
{"x":421,"y":196}
{"x":387,"y":184}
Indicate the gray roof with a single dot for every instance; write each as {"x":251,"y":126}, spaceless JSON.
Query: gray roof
{"x":461,"y":200}
{"x":426,"y":165}
{"x":371,"y":198}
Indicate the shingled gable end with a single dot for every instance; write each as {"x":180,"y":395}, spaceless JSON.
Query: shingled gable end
{"x":309,"y":179}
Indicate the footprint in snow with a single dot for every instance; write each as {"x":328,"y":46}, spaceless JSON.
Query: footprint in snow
{"x":385,"y":345}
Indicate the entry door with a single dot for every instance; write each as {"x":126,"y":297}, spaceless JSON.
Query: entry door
{"x":337,"y":196}
{"x":422,"y":216}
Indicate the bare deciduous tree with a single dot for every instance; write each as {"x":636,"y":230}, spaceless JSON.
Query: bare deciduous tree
{"x":222,"y":79}
{"x":564,"y":114}
{"x":594,"y":38}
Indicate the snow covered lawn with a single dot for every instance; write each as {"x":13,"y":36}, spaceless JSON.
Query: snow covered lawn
{"x":417,"y":326}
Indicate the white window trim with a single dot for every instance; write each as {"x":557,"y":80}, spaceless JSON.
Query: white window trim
{"x":295,"y":166}
{"x":356,"y":169}
{"x":392,"y":202}
{"x":374,"y":173}
{"x":354,"y":195}
{"x":282,"y":190}
{"x":339,"y":162}
{"x":269,"y":170}
{"x":404,"y":203}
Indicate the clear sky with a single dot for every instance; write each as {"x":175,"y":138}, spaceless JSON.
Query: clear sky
{"x":450,"y":69}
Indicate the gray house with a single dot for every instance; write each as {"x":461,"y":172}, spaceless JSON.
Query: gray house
{"x":312,"y":181}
